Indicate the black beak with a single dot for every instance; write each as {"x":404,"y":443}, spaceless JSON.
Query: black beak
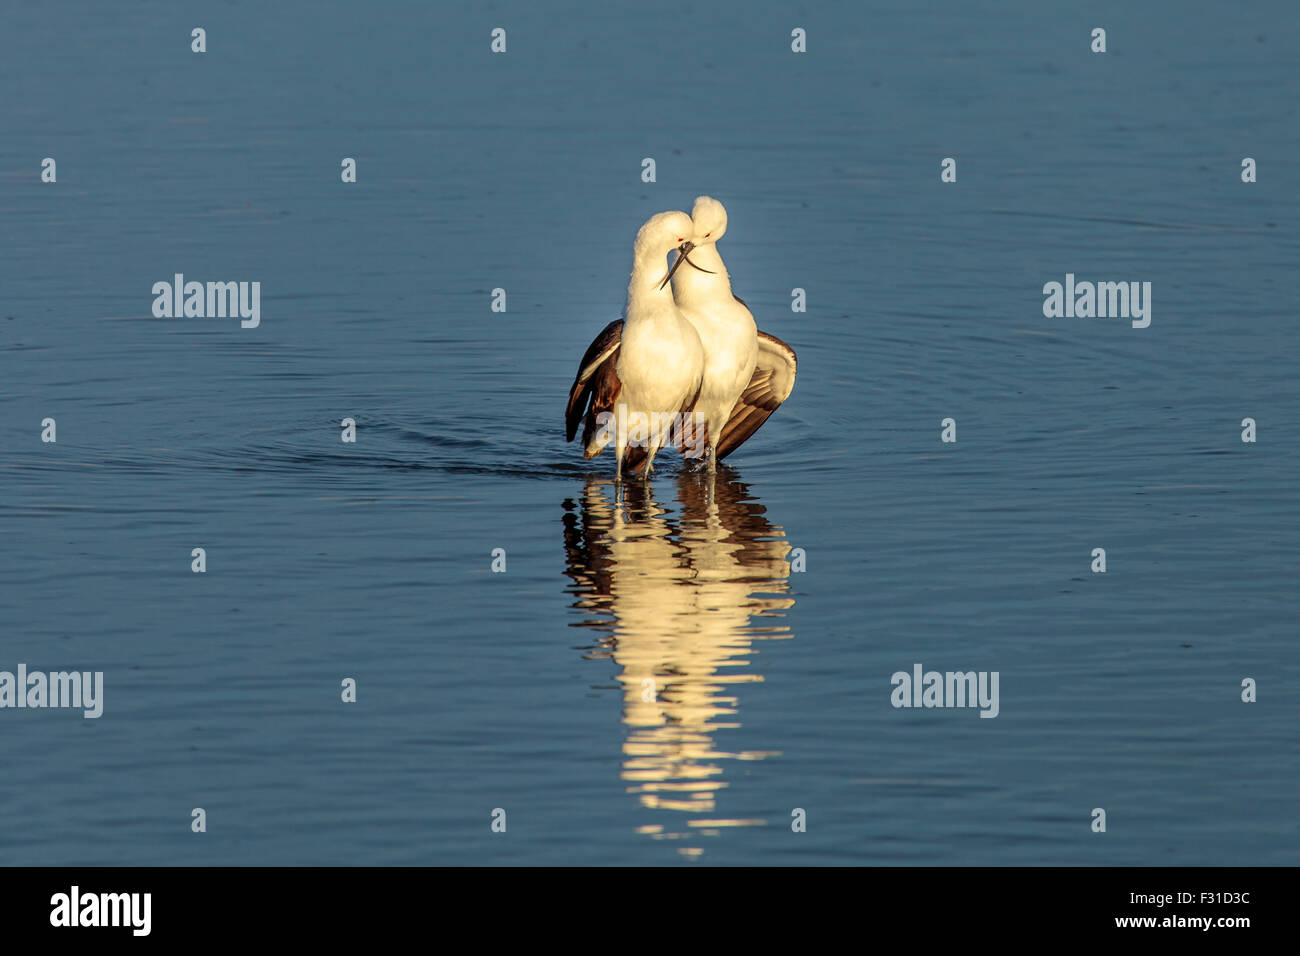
{"x":700,"y":268}
{"x":683,"y":252}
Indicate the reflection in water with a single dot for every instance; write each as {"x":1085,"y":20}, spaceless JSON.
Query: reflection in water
{"x":673,"y":591}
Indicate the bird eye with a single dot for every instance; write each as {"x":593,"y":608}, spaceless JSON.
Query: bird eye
{"x":707,"y":234}
{"x":680,"y":239}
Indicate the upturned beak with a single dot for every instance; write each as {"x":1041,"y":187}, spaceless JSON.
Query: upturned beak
{"x":683,"y":255}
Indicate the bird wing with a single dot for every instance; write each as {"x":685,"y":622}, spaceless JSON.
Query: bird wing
{"x":595,"y":390}
{"x":593,"y":378}
{"x":771,"y":384}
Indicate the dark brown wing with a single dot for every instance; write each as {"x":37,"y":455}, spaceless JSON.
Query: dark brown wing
{"x":595,"y":390}
{"x":771,"y":385}
{"x":604,"y":388}
{"x":594,"y":374}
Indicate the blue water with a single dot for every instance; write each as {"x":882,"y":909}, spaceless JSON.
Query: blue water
{"x":523,"y":691}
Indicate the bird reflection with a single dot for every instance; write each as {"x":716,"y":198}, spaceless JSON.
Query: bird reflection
{"x":678,"y":593}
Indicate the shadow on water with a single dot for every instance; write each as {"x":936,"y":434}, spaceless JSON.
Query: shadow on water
{"x":678,"y":592}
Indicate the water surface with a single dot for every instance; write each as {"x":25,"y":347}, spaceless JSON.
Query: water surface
{"x":770,"y":688}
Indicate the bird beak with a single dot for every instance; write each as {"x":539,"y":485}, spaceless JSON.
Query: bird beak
{"x":683,"y":252}
{"x":700,"y":268}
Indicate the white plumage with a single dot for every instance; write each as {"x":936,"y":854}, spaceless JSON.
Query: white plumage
{"x":694,"y":353}
{"x":747,"y":373}
{"x":635,"y":390}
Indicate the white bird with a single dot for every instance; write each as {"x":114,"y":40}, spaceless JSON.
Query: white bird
{"x":747,"y":373}
{"x":641,"y":375}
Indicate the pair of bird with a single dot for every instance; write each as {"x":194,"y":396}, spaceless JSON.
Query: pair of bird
{"x":685,"y":366}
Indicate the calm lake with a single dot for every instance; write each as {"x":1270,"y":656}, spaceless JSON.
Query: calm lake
{"x":656,"y":682}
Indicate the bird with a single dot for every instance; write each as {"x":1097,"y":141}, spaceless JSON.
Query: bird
{"x":640,"y":378}
{"x":747,"y":373}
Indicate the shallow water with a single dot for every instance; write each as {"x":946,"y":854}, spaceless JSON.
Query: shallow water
{"x":526,"y":690}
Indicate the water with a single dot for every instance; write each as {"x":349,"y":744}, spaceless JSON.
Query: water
{"x":524,"y":691}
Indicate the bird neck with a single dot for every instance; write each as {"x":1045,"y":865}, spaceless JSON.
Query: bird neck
{"x":691,"y":283}
{"x":643,"y":290}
